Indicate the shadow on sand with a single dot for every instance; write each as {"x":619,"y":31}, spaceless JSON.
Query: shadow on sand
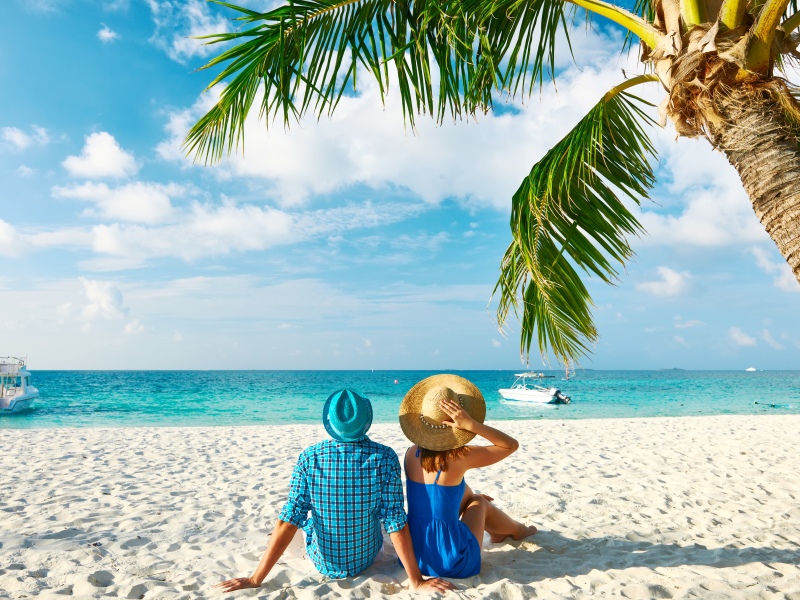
{"x":558,"y":556}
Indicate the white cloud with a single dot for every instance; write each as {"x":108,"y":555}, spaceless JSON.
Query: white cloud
{"x":133,"y":327}
{"x":784,"y":279}
{"x":45,"y":6}
{"x":25,"y":171}
{"x":116,"y":5}
{"x":672,"y":283}
{"x":10,"y":241}
{"x":423,"y":241}
{"x":177,"y":22}
{"x":496,"y":343}
{"x":21,"y":140}
{"x":105,"y":300}
{"x":767,"y":337}
{"x":137,"y":202}
{"x":16,"y":137}
{"x":680,"y":340}
{"x":740,"y":338}
{"x":201,"y":230}
{"x":706,"y":204}
{"x":177,"y":337}
{"x":106,"y":34}
{"x":688,"y":324}
{"x":101,"y":157}
{"x":214,"y":230}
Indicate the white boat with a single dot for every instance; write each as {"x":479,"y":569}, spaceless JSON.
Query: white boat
{"x":523,"y":390}
{"x":16,"y":391}
{"x":750,"y":369}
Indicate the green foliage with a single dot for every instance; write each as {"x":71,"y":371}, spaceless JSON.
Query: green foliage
{"x":448,"y":58}
{"x":566,"y":214}
{"x":306,"y":54}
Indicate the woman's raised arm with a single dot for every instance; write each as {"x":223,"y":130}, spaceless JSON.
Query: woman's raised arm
{"x":479,"y":456}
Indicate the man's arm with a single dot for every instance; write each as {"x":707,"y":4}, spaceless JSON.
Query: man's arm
{"x":280,"y":540}
{"x":405,"y":552}
{"x":293,"y":516}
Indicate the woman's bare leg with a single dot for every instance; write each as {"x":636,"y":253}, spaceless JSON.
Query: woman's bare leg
{"x":493,"y":520}
{"x":474,"y":516}
{"x":499,"y":525}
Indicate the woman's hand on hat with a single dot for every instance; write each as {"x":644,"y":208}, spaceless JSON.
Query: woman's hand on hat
{"x":459,"y":418}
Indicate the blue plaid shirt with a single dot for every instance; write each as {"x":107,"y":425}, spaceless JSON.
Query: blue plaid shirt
{"x":349,"y":489}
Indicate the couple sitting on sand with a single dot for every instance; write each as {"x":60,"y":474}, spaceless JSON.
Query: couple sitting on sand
{"x":350,"y":485}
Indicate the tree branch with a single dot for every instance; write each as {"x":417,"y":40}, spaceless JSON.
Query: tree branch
{"x":790,"y":24}
{"x":759,"y":54}
{"x":639,"y":79}
{"x":636,"y":25}
{"x":732,"y":13}
{"x":693,"y":12}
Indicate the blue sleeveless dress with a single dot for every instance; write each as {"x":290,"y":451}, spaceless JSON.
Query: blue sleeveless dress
{"x":445,"y":547}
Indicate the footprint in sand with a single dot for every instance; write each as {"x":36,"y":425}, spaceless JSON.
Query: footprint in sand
{"x":134,"y":543}
{"x":101,"y":579}
{"x":641,"y":591}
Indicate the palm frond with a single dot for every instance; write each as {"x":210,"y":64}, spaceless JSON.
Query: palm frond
{"x":522,"y":35}
{"x":306,"y":55}
{"x":448,"y":57}
{"x":566,"y":216}
{"x":645,"y":9}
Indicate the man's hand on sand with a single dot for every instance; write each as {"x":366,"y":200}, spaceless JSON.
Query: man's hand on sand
{"x":241,"y":583}
{"x":434,"y":584}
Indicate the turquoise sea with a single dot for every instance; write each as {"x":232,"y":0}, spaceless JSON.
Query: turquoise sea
{"x":204,"y":398}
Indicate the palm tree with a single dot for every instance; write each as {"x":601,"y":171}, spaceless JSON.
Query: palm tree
{"x":719,"y":63}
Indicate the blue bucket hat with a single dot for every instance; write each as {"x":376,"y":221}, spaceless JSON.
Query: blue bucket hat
{"x":347,"y":415}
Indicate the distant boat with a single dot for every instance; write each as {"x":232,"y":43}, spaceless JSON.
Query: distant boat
{"x":750,"y":369}
{"x":16,"y":391}
{"x":523,"y":390}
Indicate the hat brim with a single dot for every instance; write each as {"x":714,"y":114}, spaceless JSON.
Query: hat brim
{"x":448,"y":438}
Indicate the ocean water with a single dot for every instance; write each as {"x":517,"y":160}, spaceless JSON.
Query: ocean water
{"x":207,"y":398}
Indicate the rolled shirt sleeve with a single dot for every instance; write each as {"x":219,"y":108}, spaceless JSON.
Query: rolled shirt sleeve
{"x":297,"y":507}
{"x":392,"y":512}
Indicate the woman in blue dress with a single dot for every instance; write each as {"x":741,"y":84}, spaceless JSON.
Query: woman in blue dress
{"x":440,"y":415}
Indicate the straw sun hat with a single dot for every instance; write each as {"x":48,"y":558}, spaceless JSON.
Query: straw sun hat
{"x":421,"y":417}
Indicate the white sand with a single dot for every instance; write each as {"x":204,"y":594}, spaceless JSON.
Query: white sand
{"x":705,"y":507}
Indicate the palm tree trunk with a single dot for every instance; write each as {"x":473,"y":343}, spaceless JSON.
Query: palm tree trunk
{"x":761,"y":142}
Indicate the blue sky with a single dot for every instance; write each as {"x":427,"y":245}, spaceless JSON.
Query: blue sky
{"x":348,"y":243}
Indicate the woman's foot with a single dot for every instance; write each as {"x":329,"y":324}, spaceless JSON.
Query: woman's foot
{"x":523,"y":532}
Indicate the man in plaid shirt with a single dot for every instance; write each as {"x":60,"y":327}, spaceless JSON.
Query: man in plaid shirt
{"x":350,"y":485}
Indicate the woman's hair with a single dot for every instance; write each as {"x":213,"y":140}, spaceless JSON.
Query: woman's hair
{"x":436,"y":460}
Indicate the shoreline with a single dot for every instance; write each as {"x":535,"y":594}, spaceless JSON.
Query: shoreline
{"x":547,"y":420}
{"x":636,"y":507}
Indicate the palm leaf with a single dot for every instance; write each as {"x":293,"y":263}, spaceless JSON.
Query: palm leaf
{"x":566,"y":216}
{"x":306,"y":55}
{"x":522,"y":35}
{"x":645,"y":9}
{"x":448,"y":57}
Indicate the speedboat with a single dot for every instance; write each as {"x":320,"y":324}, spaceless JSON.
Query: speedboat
{"x":523,"y":390}
{"x":16,"y":391}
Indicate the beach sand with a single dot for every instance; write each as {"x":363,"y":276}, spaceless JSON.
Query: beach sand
{"x":693,"y":507}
